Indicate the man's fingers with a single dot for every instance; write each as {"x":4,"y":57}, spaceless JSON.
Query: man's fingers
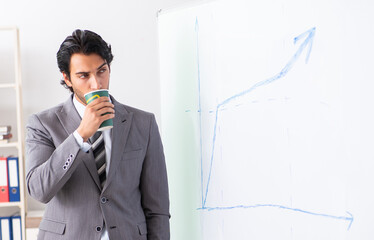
{"x":98,"y":105}
{"x":107,"y":116}
{"x":105,"y":110}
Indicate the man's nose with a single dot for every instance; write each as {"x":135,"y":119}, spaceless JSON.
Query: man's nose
{"x":95,"y":83}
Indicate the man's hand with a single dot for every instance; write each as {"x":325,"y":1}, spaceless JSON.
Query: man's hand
{"x":94,"y":116}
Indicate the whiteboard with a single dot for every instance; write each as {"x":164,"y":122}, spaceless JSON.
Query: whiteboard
{"x":267,"y":119}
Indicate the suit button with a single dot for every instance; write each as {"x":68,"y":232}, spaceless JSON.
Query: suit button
{"x":98,"y":229}
{"x":104,"y":200}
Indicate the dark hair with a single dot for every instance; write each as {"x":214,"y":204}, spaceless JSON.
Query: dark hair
{"x":81,"y":41}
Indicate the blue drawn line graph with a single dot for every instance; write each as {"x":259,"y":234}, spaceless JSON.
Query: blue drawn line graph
{"x":305,"y":45}
{"x":348,"y":218}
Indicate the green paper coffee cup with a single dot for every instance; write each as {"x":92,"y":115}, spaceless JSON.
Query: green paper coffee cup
{"x":107,"y":124}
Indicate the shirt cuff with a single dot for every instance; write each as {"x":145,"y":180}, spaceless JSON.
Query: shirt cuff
{"x":84,"y":146}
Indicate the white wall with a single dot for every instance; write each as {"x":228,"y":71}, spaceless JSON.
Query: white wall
{"x":129,"y":26}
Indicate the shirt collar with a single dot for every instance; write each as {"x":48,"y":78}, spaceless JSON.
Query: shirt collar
{"x":79,"y":106}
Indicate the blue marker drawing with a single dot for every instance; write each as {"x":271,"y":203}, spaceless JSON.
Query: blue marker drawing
{"x":308,"y":42}
{"x":199,"y":89}
{"x":348,"y":218}
{"x":306,"y":45}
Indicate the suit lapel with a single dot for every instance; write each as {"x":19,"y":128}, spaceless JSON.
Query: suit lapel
{"x":70,"y":120}
{"x":69,"y":116}
{"x":121,"y":128}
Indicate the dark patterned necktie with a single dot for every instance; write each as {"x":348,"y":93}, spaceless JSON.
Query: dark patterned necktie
{"x":98,"y":148}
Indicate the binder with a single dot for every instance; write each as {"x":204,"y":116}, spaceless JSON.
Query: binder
{"x":5,"y":228}
{"x":4,"y":191}
{"x":13,"y":177}
{"x":16,"y":227}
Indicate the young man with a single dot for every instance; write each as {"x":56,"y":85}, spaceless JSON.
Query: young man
{"x":131,"y":200}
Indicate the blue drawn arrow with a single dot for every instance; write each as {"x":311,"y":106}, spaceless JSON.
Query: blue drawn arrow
{"x":309,"y":36}
{"x":348,"y":218}
{"x":306,"y":45}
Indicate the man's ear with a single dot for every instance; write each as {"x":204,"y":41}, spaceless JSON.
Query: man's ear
{"x":66,"y":79}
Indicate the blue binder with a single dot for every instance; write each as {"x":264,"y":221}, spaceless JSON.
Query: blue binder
{"x":16,"y":227}
{"x":13,"y":179}
{"x":5,"y":228}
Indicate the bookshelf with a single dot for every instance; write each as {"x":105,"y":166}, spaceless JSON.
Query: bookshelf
{"x":16,"y":84}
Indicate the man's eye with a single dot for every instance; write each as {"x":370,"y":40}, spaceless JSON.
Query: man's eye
{"x":102,"y":70}
{"x":83,"y":76}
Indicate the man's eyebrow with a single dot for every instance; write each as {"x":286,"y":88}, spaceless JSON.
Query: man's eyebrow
{"x":80,"y":73}
{"x":102,"y":65}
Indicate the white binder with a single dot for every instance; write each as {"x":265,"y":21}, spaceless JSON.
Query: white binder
{"x":5,"y":228}
{"x":16,"y":228}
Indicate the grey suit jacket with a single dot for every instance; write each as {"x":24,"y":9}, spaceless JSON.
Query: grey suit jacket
{"x":134,"y":203}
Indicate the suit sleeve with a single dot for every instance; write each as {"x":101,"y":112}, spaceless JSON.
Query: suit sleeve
{"x":154,"y":187}
{"x":48,"y":167}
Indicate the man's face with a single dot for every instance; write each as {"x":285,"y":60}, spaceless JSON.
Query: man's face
{"x":87,"y":73}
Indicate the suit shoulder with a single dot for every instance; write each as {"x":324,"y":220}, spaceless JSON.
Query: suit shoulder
{"x":138,"y":112}
{"x":46,"y":115}
{"x":50,"y":111}
{"x":141,"y":118}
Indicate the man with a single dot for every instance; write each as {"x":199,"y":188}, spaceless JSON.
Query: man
{"x":131,"y":201}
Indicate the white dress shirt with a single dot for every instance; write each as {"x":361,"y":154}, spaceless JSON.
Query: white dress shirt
{"x":85,"y":146}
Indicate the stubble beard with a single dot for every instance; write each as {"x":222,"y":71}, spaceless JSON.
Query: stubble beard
{"x":81,"y":98}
